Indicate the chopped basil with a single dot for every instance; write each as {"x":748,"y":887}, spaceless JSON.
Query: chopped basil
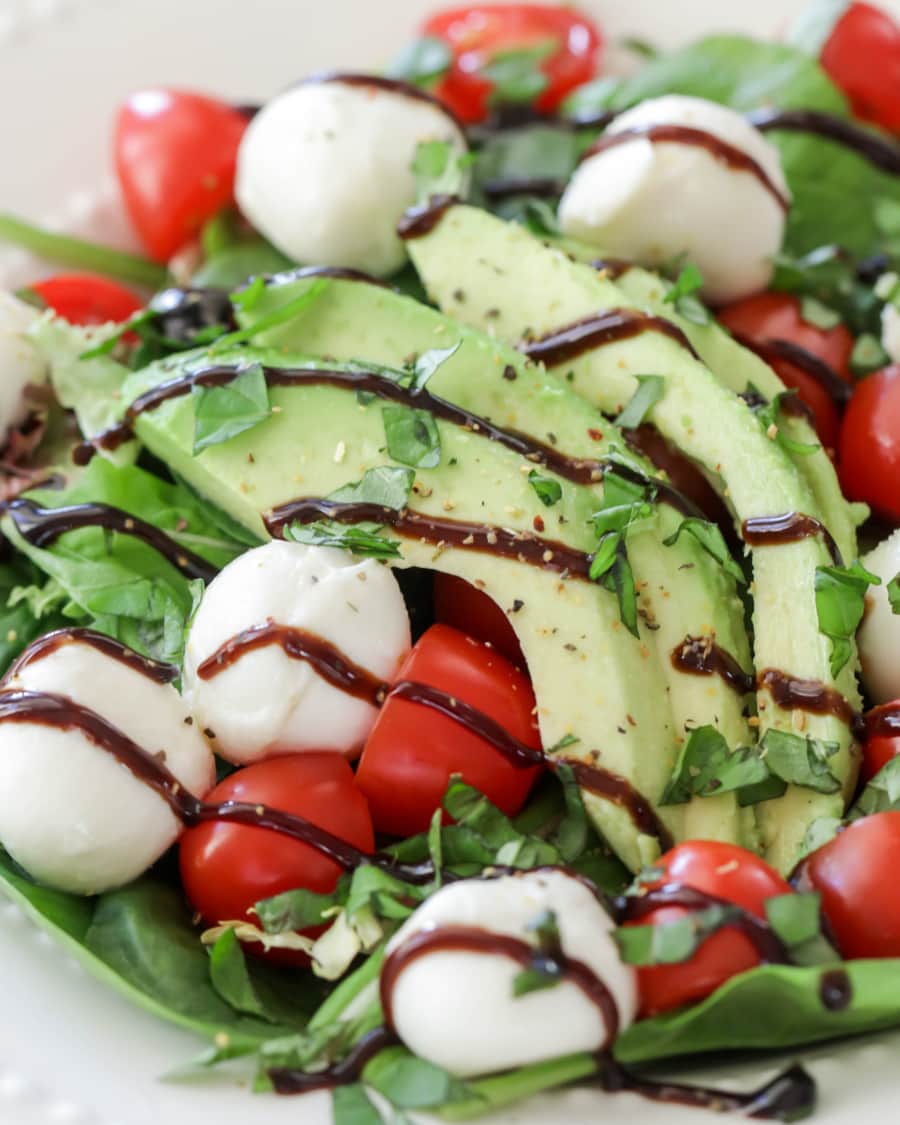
{"x":624,"y":503}
{"x":651,"y":389}
{"x":299,"y":909}
{"x":422,"y":62}
{"x":840,"y":605}
{"x":819,"y":315}
{"x":797,"y":920}
{"x":438,"y":169}
{"x":361,"y":539}
{"x":545,"y":971}
{"x":868,"y":355}
{"x":250,"y":295}
{"x":429,"y":362}
{"x":549,"y":491}
{"x":711,"y":539}
{"x":388,"y":486}
{"x":800,"y":761}
{"x":769,"y":416}
{"x":670,"y":943}
{"x":221,"y":413}
{"x":516,"y":75}
{"x":351,"y":1105}
{"x":408,"y":1082}
{"x":412,"y":437}
{"x":573,"y":830}
{"x":683,"y":295}
{"x":893,"y":593}
{"x":436,"y":846}
{"x":230,"y":978}
{"x":707,"y":766}
{"x":611,"y":568}
{"x":278,"y":316}
{"x":882,"y":794}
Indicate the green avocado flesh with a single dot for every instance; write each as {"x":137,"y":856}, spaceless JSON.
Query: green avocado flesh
{"x":497,"y":277}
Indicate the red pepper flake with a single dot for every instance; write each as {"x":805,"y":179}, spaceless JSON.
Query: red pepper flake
{"x":595,"y":435}
{"x":538,"y":523}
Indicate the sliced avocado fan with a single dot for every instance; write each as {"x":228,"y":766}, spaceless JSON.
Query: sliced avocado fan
{"x":523,"y":292}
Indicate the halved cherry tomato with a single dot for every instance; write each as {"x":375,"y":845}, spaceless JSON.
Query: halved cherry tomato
{"x":413,"y":750}
{"x":227,"y":868}
{"x":478,"y":33}
{"x":768,"y":317}
{"x":460,"y":604}
{"x":879,"y":749}
{"x":175,"y":156}
{"x":856,"y":874}
{"x":730,"y":873}
{"x":862,"y":55}
{"x":869,"y":446}
{"x":87,"y":298}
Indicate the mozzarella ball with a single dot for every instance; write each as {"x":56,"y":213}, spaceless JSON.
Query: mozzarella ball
{"x":879,"y":634}
{"x":20,"y":363}
{"x":267,"y":703}
{"x":890,"y":331}
{"x":458,"y":1009}
{"x":325,"y":170}
{"x":70,"y":813}
{"x":649,"y":201}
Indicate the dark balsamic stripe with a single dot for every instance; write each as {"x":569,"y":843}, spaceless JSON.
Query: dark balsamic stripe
{"x":811,"y":696}
{"x":825,"y":376}
{"x":878,"y":150}
{"x":291,"y":1080}
{"x":546,"y":187}
{"x":42,"y":526}
{"x":788,"y":527}
{"x":612,"y":787}
{"x":573,"y":340}
{"x":53,"y":642}
{"x":726,"y":153}
{"x":420,"y":221}
{"x":701,"y":656}
{"x":388,"y":85}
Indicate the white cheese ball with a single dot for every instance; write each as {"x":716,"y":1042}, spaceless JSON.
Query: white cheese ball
{"x":20,"y":363}
{"x":879,"y":634}
{"x":324,"y":170}
{"x":458,"y":1010}
{"x":649,"y":201}
{"x":267,"y":703}
{"x":70,"y":813}
{"x":890,"y":331}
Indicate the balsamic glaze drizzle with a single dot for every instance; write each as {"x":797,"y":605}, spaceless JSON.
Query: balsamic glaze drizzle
{"x":292,"y":1080}
{"x":835,"y":990}
{"x":573,"y":340}
{"x":788,"y":527}
{"x":52,"y":642}
{"x":701,"y":656}
{"x":615,"y":789}
{"x":880,"y":151}
{"x":827,"y":378}
{"x":807,"y":695}
{"x":42,"y":526}
{"x":421,"y":220}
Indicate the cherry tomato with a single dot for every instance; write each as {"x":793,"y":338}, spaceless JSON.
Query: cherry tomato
{"x":730,"y":873}
{"x":175,"y":156}
{"x":227,"y":868}
{"x":879,"y":749}
{"x":856,"y":874}
{"x":869,"y":445}
{"x":862,"y":55}
{"x":466,"y":608}
{"x":479,"y":33}
{"x":413,"y":751}
{"x":87,"y":298}
{"x":768,"y":317}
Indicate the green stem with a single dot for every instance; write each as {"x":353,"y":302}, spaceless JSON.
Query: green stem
{"x":347,"y":991}
{"x":79,"y":254}
{"x":493,"y":1093}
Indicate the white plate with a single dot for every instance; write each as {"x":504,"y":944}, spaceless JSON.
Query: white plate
{"x":71,"y":1051}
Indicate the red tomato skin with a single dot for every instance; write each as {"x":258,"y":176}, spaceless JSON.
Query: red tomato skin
{"x":879,"y":749}
{"x":730,"y":873}
{"x":478,"y":32}
{"x":87,"y":298}
{"x":856,"y":874}
{"x":777,"y":316}
{"x":227,"y":868}
{"x":413,"y":751}
{"x":862,"y":55}
{"x":869,"y":445}
{"x":464,"y":607}
{"x":175,"y":156}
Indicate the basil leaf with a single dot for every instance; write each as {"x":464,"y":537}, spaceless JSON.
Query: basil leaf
{"x":682,"y":295}
{"x":800,"y":761}
{"x":299,"y":909}
{"x":624,"y":502}
{"x":797,"y":920}
{"x":549,"y":975}
{"x":229,"y":976}
{"x":546,"y":969}
{"x":408,"y":1082}
{"x":882,"y":794}
{"x":382,"y":893}
{"x":351,"y":1105}
{"x":822,"y":829}
{"x":611,"y":568}
{"x":549,"y":491}
{"x":363,"y":539}
{"x":422,"y":62}
{"x":670,"y":943}
{"x":651,"y":389}
{"x":280,"y":315}
{"x":516,"y":75}
{"x":769,"y":416}
{"x":813,"y":312}
{"x":429,"y":362}
{"x":840,"y":605}
{"x":221,"y":413}
{"x":439,"y":169}
{"x":868,"y":355}
{"x":387,"y":486}
{"x":436,"y":846}
{"x":711,"y":539}
{"x":893,"y":593}
{"x":707,"y":766}
{"x":573,"y":831}
{"x":412,"y":437}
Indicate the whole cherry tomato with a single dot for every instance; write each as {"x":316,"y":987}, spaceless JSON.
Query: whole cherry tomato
{"x":856,"y":874}
{"x":726,"y":872}
{"x":227,"y":868}
{"x":413,"y":750}
{"x":862,"y":55}
{"x":479,"y":33}
{"x":460,"y":604}
{"x":87,"y":298}
{"x":175,"y":155}
{"x":869,"y":445}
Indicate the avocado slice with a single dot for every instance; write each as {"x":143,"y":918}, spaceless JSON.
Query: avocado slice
{"x":683,"y":591}
{"x":738,"y":368}
{"x":519,"y":289}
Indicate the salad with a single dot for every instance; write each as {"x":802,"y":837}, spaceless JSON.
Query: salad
{"x":451,"y":584}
